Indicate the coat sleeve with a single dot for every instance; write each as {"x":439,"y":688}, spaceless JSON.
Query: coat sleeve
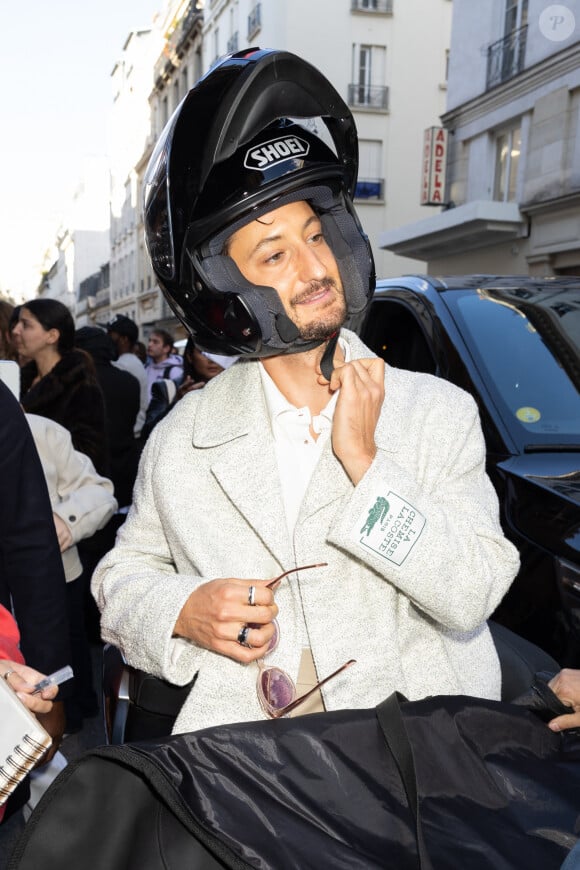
{"x":434,"y":534}
{"x":85,"y":499}
{"x":138,"y":590}
{"x":31,"y":573}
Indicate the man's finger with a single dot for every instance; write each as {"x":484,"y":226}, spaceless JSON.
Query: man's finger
{"x":561,"y":723}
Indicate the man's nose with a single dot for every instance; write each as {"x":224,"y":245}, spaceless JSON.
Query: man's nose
{"x":312,"y":266}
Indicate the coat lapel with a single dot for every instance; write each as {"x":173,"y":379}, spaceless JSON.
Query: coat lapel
{"x":233,"y":418}
{"x":247,"y":472}
{"x":329,"y":483}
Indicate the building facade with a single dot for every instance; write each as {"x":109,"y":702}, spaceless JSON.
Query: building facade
{"x":513,"y":121}
{"x":130,"y":131}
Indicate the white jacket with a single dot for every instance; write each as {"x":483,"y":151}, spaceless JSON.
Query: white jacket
{"x":79,"y":496}
{"x":417,"y":560}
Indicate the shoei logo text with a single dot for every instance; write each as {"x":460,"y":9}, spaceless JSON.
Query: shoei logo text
{"x":275,"y":151}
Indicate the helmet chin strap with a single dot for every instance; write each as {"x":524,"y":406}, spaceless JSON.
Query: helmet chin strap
{"x":326,"y":363}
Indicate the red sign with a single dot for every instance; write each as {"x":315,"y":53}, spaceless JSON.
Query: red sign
{"x":434,"y":166}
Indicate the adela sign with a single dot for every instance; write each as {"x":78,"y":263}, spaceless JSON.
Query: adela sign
{"x":434,"y":164}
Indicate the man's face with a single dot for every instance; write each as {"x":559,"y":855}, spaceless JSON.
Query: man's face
{"x":285,"y":249}
{"x":156,"y":349}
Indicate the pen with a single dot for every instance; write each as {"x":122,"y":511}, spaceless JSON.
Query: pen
{"x":54,"y":679}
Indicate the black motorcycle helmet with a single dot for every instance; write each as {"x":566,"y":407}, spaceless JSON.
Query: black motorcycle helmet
{"x":229,"y":154}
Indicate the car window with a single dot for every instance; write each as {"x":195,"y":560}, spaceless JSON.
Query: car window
{"x":523,"y":368}
{"x":392,"y":331}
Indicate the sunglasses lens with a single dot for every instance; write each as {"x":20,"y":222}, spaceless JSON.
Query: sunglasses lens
{"x":275,"y":689}
{"x":275,"y":637}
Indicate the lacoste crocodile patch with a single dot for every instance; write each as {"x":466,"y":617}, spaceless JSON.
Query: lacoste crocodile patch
{"x":389,"y":527}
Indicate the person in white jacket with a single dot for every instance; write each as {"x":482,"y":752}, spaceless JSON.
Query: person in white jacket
{"x":82,"y":502}
{"x":310,"y":452}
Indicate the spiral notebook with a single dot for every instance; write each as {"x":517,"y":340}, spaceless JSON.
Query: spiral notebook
{"x":23,"y":740}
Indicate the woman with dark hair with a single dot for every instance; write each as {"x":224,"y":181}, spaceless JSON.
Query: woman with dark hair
{"x":59,"y":381}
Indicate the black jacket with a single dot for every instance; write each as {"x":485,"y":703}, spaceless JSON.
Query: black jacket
{"x":31,"y":572}
{"x":70,"y":395}
{"x":122,"y":398}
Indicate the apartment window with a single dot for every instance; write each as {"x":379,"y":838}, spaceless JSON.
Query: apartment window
{"x":233,"y":43}
{"x":370,"y":184}
{"x":505,"y":58}
{"x":367,"y":88}
{"x":254,"y":21}
{"x":507,"y":160}
{"x":384,"y":6}
{"x":516,"y":15}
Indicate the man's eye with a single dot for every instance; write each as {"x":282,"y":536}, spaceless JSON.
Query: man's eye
{"x":273,"y":258}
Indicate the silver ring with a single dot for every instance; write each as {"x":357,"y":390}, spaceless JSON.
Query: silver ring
{"x":6,"y":674}
{"x":252,"y":596}
{"x":243,"y":636}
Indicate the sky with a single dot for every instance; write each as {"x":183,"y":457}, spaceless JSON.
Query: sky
{"x":56,"y":58}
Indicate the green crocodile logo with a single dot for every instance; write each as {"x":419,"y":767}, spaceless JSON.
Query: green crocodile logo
{"x":376,"y":513}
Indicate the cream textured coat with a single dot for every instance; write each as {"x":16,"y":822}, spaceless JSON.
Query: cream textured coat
{"x":82,"y":498}
{"x":416,"y":557}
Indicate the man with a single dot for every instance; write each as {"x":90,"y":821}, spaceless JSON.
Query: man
{"x":305,"y":453}
{"x":163,"y":363}
{"x":124,"y":334}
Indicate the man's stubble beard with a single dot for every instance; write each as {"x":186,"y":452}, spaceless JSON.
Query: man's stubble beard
{"x":324,"y":327}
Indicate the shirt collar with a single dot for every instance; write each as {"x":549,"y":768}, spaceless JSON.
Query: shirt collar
{"x":278,"y":404}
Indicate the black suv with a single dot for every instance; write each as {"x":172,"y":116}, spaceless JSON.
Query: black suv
{"x":514,"y":344}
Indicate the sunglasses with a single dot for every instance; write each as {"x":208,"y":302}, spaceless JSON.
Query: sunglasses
{"x":275,"y":688}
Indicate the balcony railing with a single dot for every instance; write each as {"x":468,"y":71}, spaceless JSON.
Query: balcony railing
{"x":384,"y":6}
{"x":254,"y":21}
{"x":369,"y":97}
{"x":233,"y":43}
{"x":370,"y":188}
{"x":505,"y":58}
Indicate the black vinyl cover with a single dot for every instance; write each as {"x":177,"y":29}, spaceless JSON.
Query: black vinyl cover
{"x":497,"y":790}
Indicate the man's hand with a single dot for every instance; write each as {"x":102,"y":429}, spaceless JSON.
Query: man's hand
{"x":187,"y":386}
{"x":63,"y":533}
{"x":362,"y":392}
{"x":566,"y":685}
{"x":215,"y":612}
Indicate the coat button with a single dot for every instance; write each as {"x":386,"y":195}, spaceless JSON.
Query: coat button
{"x":72,"y":518}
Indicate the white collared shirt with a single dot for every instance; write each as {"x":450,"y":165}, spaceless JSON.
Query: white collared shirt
{"x":297,"y":452}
